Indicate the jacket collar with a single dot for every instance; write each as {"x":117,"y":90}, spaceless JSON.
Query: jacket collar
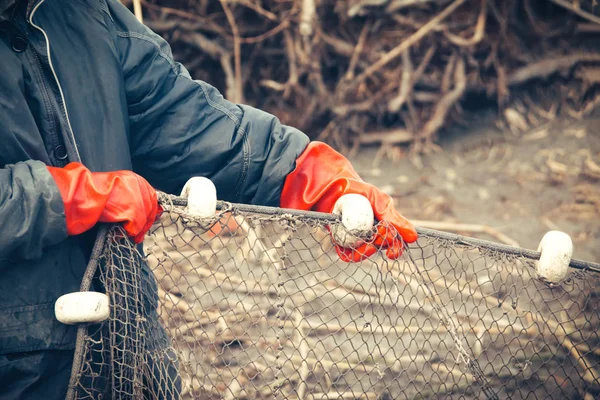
{"x":31,"y":6}
{"x":6,"y":7}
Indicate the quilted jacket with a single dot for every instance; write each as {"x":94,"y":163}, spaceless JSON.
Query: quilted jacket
{"x":83,"y":80}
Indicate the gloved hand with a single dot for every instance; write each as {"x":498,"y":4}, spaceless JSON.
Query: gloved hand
{"x":321,"y":177}
{"x":92,"y":197}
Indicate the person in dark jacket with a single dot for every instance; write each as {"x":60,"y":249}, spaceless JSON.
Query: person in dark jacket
{"x":94,"y":115}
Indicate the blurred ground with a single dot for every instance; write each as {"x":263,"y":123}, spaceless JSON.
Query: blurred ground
{"x":520,"y":184}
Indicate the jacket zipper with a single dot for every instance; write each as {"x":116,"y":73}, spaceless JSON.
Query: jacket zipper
{"x":46,"y":94}
{"x":62,"y":102}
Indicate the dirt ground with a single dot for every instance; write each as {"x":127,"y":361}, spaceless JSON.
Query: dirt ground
{"x":522,"y":185}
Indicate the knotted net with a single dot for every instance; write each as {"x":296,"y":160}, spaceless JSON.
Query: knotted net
{"x":257,"y":305}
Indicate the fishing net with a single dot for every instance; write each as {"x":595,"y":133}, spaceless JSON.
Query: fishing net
{"x":253,"y":304}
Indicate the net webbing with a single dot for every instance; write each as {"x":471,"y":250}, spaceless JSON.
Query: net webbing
{"x":257,"y":305}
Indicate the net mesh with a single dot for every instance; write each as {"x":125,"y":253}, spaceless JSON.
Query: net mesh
{"x":254,"y":306}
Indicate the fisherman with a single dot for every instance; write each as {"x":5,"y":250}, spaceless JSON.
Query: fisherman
{"x":95,"y":114}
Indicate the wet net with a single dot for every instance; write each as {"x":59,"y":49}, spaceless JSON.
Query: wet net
{"x":255,"y":304}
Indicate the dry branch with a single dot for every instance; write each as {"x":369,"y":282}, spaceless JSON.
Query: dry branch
{"x":334,"y":68}
{"x":412,"y":40}
{"x":448,"y":100}
{"x":238,"y":92}
{"x":574,"y":9}
{"x":137,"y":10}
{"x":478,"y":35}
{"x":547,"y":67}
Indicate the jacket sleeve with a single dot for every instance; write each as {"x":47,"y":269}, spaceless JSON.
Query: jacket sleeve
{"x":31,"y":211}
{"x":182,"y":127}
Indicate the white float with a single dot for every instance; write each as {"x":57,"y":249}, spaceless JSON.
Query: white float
{"x":357,"y":220}
{"x":82,"y":307}
{"x":201,"y":195}
{"x":556,"y":249}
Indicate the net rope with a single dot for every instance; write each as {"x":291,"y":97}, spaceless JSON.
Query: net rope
{"x":254,"y":303}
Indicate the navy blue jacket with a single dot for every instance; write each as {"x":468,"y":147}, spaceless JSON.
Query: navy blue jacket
{"x":83,"y":80}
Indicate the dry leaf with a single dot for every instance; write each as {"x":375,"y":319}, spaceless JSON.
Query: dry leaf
{"x":590,"y":169}
{"x":516,"y":122}
{"x":536,"y":135}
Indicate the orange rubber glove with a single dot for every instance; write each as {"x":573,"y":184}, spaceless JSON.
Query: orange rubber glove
{"x":92,"y":197}
{"x":321,"y":177}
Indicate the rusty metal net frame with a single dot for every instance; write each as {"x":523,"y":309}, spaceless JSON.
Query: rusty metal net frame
{"x":255,"y":304}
